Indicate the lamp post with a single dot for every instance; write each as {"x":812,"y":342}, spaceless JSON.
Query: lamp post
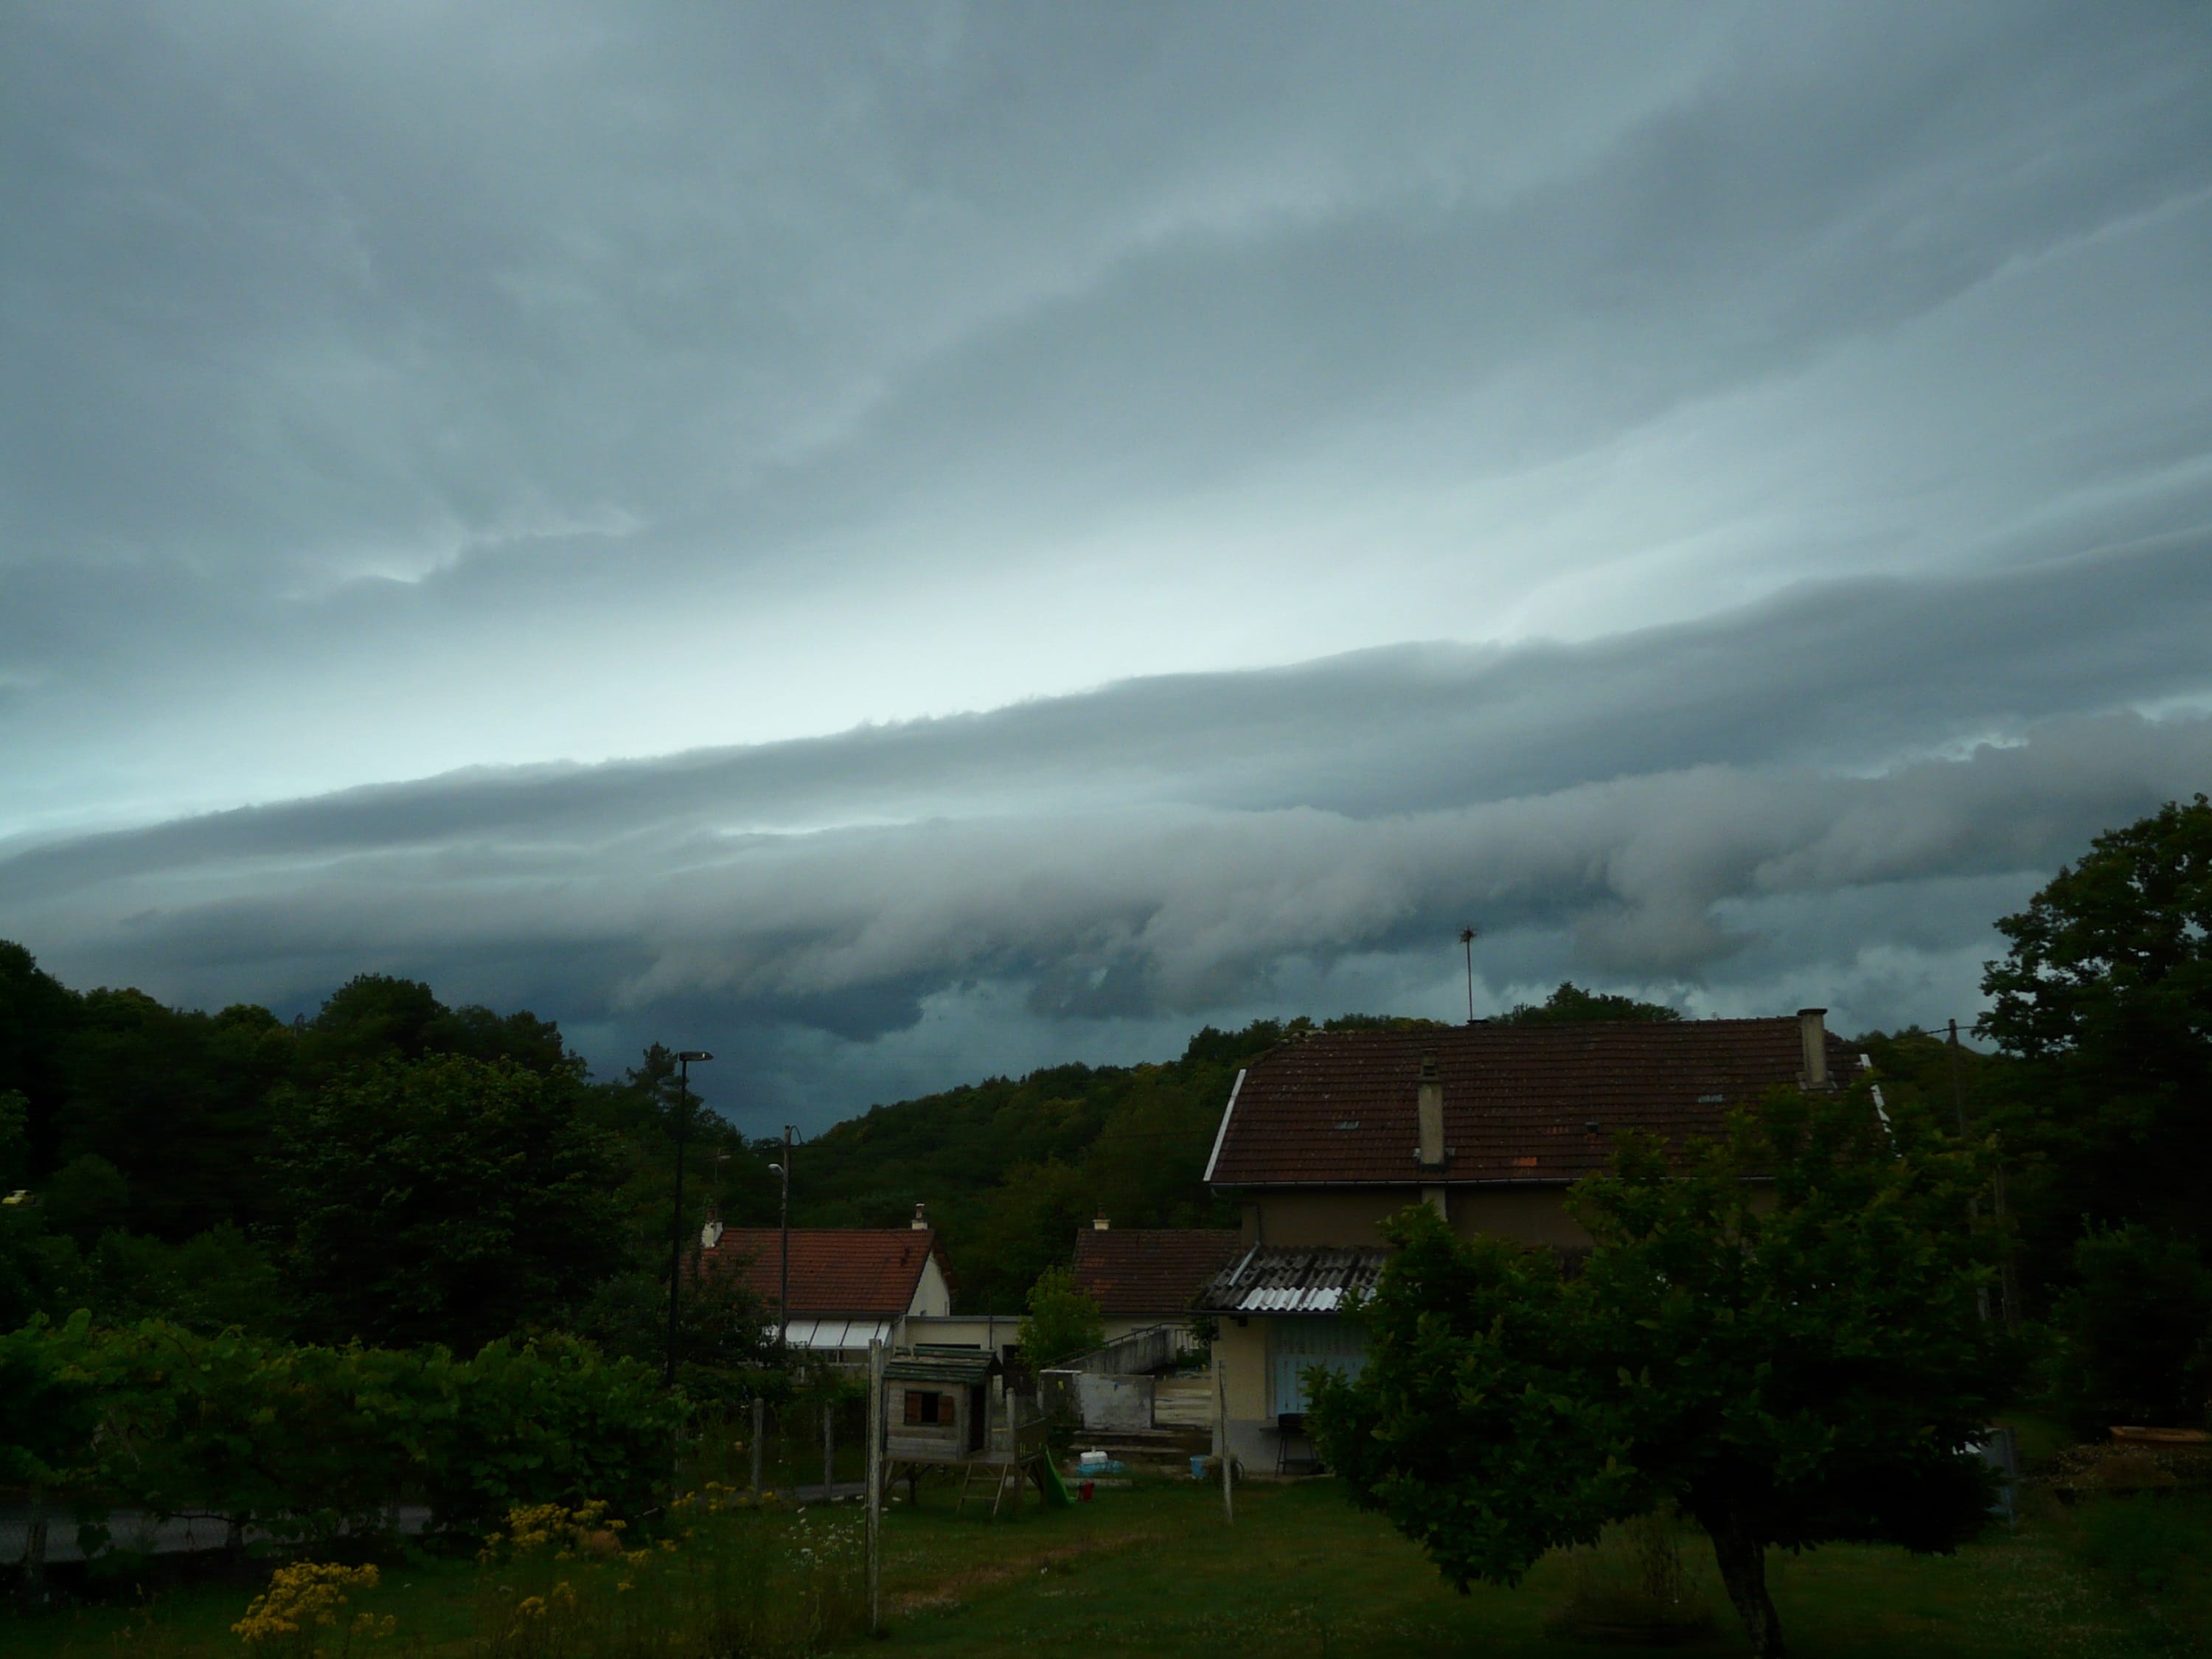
{"x":783,"y":1277}
{"x":675,"y":1229}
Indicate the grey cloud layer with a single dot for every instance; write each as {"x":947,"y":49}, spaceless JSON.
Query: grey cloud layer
{"x":1786,"y":428}
{"x":1176,"y":848}
{"x":623,"y":378}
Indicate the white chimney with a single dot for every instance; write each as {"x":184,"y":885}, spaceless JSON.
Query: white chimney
{"x":1431,"y":1099}
{"x":1099,"y":1223}
{"x":1813,"y":1038}
{"x":920,"y":1222}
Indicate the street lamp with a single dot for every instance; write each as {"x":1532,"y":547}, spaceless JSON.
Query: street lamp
{"x":676,"y":1230}
{"x":783,"y":1283}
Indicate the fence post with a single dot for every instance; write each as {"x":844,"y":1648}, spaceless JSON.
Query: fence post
{"x":829,"y":1450}
{"x":1221,"y":1406}
{"x":760,"y":1427}
{"x":875,"y":1486}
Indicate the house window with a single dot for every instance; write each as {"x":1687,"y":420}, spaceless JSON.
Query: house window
{"x":928,"y":1408}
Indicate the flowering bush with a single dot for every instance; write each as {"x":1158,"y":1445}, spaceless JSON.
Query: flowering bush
{"x":560,"y":1581}
{"x":305,"y":1599}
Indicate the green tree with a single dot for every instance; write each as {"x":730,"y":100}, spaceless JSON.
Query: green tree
{"x":1572,"y":1006}
{"x":2104,"y":1001}
{"x":374,"y":1017}
{"x":37,"y":1013}
{"x":445,"y":1200}
{"x":2135,"y":1331}
{"x":87,"y":1196}
{"x":179,"y":1101}
{"x":1062,"y":1320}
{"x":1786,"y":1371}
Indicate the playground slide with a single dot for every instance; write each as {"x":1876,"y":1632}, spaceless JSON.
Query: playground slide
{"x":1055,"y":1491}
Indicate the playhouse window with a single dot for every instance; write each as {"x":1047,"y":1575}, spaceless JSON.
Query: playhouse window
{"x":928,"y":1408}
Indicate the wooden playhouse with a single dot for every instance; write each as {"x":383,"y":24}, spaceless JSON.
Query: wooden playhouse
{"x":940,"y":1410}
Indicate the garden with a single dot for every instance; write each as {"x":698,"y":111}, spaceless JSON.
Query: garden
{"x":1153,"y":1568}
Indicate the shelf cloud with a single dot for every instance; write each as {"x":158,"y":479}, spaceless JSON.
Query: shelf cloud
{"x":938,"y":539}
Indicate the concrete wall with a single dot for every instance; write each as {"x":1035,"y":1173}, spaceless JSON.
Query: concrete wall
{"x":988,"y":1331}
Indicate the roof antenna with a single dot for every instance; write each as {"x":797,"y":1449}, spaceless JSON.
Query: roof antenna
{"x":1466,"y":938}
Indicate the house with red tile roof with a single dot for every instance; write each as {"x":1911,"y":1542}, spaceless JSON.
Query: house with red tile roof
{"x":1327,"y":1135}
{"x":849,"y":1286}
{"x":1145,"y":1276}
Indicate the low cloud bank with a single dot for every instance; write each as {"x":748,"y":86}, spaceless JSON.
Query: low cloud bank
{"x":1115,"y":867}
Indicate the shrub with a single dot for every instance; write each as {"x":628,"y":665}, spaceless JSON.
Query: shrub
{"x":2134,"y":1334}
{"x":1061,"y":1321}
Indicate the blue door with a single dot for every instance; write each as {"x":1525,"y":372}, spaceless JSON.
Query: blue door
{"x":1295,"y":1345}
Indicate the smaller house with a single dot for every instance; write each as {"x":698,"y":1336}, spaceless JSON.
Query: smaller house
{"x":849,"y":1286}
{"x":937,"y":1404}
{"x":1145,"y":1276}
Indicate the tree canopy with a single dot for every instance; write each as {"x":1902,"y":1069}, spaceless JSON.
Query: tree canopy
{"x":1781,"y":1337}
{"x":1572,"y":1006}
{"x":2104,"y":1002}
{"x":444,"y":1199}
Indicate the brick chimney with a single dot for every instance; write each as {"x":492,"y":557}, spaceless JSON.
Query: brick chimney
{"x":1430,"y":1099}
{"x":1813,"y":1038}
{"x":920,"y":1222}
{"x":1099,"y":1222}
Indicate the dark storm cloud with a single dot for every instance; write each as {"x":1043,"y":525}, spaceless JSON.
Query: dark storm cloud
{"x":1661,"y":805}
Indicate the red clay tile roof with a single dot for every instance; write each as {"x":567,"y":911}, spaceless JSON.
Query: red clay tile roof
{"x":1132,"y":1271}
{"x":833,"y":1270}
{"x":1338,"y":1108}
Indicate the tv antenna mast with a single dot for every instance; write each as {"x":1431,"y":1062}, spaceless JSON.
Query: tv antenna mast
{"x":1467,"y":937}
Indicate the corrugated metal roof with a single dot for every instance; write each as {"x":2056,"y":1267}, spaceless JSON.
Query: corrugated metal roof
{"x":1281,"y":1279}
{"x":970,"y":1366}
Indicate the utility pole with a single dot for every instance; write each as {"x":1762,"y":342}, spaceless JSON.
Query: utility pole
{"x":675,"y":1229}
{"x":2008,"y":1277}
{"x":875,"y":1486}
{"x":783,"y":1285}
{"x":1467,"y":939}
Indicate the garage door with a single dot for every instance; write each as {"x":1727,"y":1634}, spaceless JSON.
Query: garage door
{"x":1296,"y":1345}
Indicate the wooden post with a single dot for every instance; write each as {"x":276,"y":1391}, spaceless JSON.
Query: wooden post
{"x":1221,"y":1412}
{"x":829,"y":1450}
{"x":760,"y":1428}
{"x":875,"y":1486}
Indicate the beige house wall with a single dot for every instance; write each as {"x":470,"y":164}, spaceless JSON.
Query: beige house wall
{"x":1354,"y":1216}
{"x":1528,"y":1215}
{"x":1240,"y":1367}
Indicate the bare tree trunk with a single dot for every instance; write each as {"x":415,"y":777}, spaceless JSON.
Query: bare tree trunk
{"x":1742,"y":1560}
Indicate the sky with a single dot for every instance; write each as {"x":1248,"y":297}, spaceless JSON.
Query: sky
{"x":905,"y":542}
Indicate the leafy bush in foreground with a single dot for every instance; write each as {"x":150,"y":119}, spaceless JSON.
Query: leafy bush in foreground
{"x":307,"y":1443}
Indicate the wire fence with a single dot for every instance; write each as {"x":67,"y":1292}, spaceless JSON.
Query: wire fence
{"x":802,"y":1446}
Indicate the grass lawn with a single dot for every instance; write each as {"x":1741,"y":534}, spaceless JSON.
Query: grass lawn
{"x":1153,"y":1569}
